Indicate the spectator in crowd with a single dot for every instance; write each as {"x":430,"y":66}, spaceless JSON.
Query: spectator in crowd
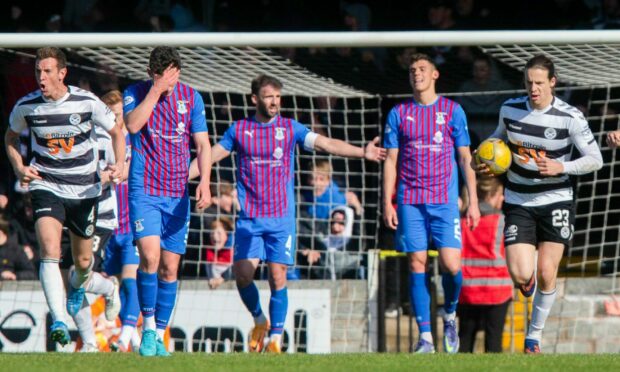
{"x":609,"y":15}
{"x":470,"y":15}
{"x":219,"y":252}
{"x":14,"y":264}
{"x":326,"y":194}
{"x":484,"y":260}
{"x":339,"y":262}
{"x":484,"y":79}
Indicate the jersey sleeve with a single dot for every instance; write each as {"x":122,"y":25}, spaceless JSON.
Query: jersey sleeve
{"x":460,"y":133}
{"x":390,"y":138}
{"x":130,"y":99}
{"x":304,"y":136}
{"x":199,"y":118}
{"x":17,"y":122}
{"x":228,"y":139}
{"x":591,"y":158}
{"x":102,"y":115}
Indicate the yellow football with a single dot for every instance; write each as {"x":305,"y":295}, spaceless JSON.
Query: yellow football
{"x":495,"y":154}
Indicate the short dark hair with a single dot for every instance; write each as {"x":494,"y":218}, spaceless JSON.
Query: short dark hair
{"x":53,"y":52}
{"x":543,"y":62}
{"x":415,"y":57}
{"x":162,"y":57}
{"x":263,"y":80}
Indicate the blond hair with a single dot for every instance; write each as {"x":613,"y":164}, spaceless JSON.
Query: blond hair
{"x":112,"y":97}
{"x":322,"y":166}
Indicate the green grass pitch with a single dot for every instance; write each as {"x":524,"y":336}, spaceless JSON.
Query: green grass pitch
{"x":182,"y":362}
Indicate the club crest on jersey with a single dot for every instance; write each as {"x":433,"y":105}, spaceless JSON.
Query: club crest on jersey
{"x":440,"y":118}
{"x":278,"y":153}
{"x":181,"y":128}
{"x":280,"y":133}
{"x":181,"y":108}
{"x":75,"y":119}
{"x":550,"y":133}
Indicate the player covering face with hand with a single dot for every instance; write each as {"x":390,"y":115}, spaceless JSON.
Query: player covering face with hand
{"x":163,"y":115}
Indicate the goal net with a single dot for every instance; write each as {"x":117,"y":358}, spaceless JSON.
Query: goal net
{"x":333,"y":312}
{"x":223,"y":77}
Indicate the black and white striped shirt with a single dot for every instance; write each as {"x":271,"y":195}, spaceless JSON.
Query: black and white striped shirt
{"x":64,"y":143}
{"x":550,"y":132}
{"x":106,"y":212}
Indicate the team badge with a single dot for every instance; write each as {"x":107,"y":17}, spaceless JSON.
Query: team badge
{"x":565,"y":232}
{"x":438,"y":138}
{"x":181,"y":108}
{"x":440,"y":118}
{"x":279,"y":134}
{"x":139,"y":226}
{"x":75,"y":119}
{"x":127,"y":100}
{"x":550,"y":133}
{"x":181,"y":128}
{"x":510,"y":233}
{"x":90,"y":229}
{"x":278,"y":153}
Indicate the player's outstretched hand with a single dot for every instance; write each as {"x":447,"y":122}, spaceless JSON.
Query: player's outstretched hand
{"x":27,"y":174}
{"x":161,"y":83}
{"x":389,"y":216}
{"x":613,"y":139}
{"x":480,"y":169}
{"x":549,"y":167}
{"x":203,"y":195}
{"x":373,"y":152}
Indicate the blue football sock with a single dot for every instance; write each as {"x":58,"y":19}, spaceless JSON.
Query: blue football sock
{"x":278,"y":306}
{"x":147,"y":293}
{"x":130,"y":308}
{"x":420,"y":297}
{"x":166,"y":298}
{"x":249,"y":296}
{"x":451,"y":288}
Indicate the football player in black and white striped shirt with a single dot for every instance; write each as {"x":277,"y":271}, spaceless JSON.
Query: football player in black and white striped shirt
{"x":63,"y":177}
{"x":541,"y":131}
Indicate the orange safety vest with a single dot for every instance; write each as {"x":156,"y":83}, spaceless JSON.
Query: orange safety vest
{"x":486,"y":280}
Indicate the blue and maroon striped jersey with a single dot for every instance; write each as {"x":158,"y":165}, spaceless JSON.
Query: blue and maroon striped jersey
{"x":161,"y":150}
{"x":122,"y":200}
{"x":265,"y":164}
{"x":426,"y":136}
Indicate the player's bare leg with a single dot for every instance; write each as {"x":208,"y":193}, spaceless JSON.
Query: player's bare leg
{"x":49,"y":232}
{"x":521,"y":262}
{"x":549,"y":257}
